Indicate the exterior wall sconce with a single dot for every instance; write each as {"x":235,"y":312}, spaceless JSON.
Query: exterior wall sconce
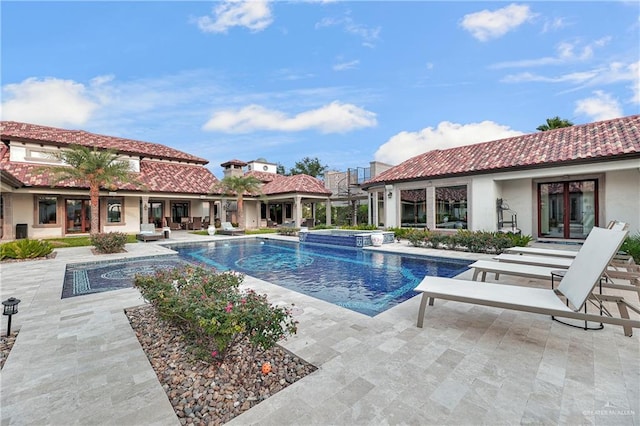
{"x":10,"y":308}
{"x":389,"y":194}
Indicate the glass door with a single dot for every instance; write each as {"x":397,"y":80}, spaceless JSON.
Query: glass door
{"x":78,"y":218}
{"x":567,"y":209}
{"x":156,"y":213}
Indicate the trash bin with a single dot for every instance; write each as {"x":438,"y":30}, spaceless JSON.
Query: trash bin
{"x":167,"y":232}
{"x":21,"y":231}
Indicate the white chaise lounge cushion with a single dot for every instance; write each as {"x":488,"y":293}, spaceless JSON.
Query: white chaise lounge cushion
{"x":489,"y":294}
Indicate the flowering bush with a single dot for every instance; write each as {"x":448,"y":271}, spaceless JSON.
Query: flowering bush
{"x":213,"y":311}
{"x":109,"y":242}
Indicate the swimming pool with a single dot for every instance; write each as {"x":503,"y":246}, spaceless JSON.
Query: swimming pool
{"x":364,"y":281}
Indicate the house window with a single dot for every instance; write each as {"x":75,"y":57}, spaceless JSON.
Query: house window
{"x":451,"y":207}
{"x":413,"y":208}
{"x":114,"y":209}
{"x":47,"y":210}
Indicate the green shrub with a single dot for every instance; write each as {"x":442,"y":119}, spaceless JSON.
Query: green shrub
{"x":25,"y":249}
{"x":214,"y":314}
{"x":109,"y":242}
{"x":416,"y":237}
{"x":288,"y":231}
{"x":631,"y":246}
{"x":437,"y":240}
{"x":519,"y":240}
{"x":362,"y":227}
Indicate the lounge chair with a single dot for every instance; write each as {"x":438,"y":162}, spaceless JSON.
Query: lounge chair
{"x":576,"y":286}
{"x":148,"y":233}
{"x":482,"y":267}
{"x":226,"y":228}
{"x":538,"y":251}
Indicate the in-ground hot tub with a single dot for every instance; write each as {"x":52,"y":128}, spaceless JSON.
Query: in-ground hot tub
{"x":345,"y":237}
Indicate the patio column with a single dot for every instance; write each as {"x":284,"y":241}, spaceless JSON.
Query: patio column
{"x":297,"y":215}
{"x":8,"y":227}
{"x":145,"y":209}
{"x":328,"y":211}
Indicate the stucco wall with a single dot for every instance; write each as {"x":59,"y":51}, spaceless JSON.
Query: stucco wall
{"x":482,"y":194}
{"x":520,"y":196}
{"x":622,"y":198}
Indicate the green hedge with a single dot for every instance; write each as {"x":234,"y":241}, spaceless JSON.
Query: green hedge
{"x":465,"y":240}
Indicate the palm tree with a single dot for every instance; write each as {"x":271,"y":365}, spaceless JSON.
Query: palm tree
{"x":554,"y":123}
{"x":97,"y":169}
{"x":239,"y":185}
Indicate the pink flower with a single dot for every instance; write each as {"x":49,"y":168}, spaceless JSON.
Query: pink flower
{"x":229,"y":307}
{"x":203,"y":297}
{"x":243,"y":301}
{"x":214,"y":354}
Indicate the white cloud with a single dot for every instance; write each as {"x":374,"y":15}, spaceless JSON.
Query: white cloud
{"x":565,"y":52}
{"x":486,"y":25}
{"x":346,"y":65}
{"x":253,"y":14}
{"x":575,"y":77}
{"x":599,"y":107}
{"x":335,"y":117}
{"x":613,"y":73}
{"x":405,"y":145}
{"x":50,"y":101}
{"x":553,"y":24}
{"x":368,"y":35}
{"x":635,"y":82}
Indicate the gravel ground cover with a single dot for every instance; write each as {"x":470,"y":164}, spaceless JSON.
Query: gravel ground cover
{"x":211,"y":393}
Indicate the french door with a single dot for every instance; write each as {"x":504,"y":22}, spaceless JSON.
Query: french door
{"x":78,"y":216}
{"x":568,"y":209}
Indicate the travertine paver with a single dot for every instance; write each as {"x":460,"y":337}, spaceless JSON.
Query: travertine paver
{"x":77,"y":361}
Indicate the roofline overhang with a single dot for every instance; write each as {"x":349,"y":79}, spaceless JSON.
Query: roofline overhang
{"x":119,"y":151}
{"x":577,"y":162}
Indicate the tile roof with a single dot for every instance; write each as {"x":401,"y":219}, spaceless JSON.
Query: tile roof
{"x":157,"y":176}
{"x":233,"y":163}
{"x":301,"y":184}
{"x":618,"y":138}
{"x":275,"y":184}
{"x":25,"y":132}
{"x":264,"y":177}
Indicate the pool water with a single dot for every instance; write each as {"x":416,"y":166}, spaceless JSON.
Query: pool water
{"x":364,"y":281}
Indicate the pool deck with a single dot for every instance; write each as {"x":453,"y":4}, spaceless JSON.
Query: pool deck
{"x":77,"y":361}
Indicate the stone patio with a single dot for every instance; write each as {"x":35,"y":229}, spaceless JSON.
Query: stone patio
{"x":77,"y":361}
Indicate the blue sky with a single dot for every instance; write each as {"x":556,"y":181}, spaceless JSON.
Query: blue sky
{"x":347,"y":82}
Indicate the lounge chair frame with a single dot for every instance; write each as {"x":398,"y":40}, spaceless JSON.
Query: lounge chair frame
{"x":576,"y":287}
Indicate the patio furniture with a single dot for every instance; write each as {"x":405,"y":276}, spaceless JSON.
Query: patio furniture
{"x":174,"y":226}
{"x":482,"y":267}
{"x":576,"y":288}
{"x":184,"y":221}
{"x":195,"y":223}
{"x":538,"y":251}
{"x":226,"y":228}
{"x":148,"y":233}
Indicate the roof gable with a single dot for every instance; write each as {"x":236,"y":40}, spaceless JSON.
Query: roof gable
{"x":605,"y":139}
{"x":295,"y":184}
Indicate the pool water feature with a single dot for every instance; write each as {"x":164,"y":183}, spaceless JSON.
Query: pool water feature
{"x":364,"y":281}
{"x":97,"y":277}
{"x":345,"y":237}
